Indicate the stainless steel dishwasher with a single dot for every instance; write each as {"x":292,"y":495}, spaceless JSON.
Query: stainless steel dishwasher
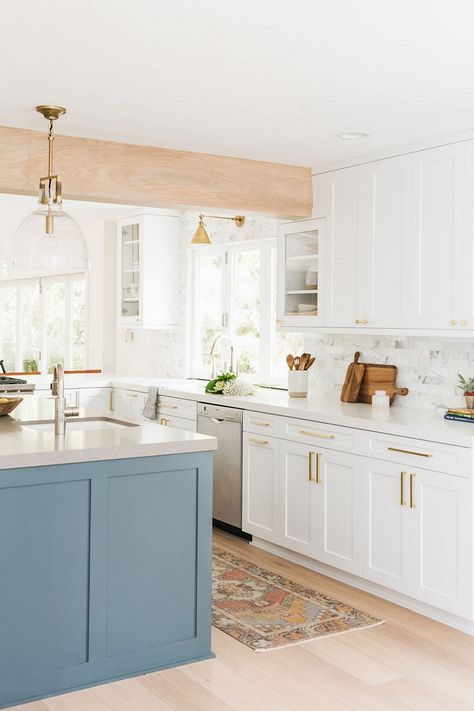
{"x":225,"y":424}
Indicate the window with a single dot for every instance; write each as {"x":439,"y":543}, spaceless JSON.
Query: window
{"x":43,"y":322}
{"x":234,"y":296}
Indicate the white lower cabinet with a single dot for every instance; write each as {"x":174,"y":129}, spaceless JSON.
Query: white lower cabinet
{"x":406,"y":528}
{"x":441,"y":538}
{"x":260,"y":487}
{"x":386,"y":535}
{"x":128,"y":404}
{"x":297,"y":498}
{"x":337,"y":510}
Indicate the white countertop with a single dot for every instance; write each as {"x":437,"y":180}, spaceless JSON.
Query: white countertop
{"x":21,"y":446}
{"x":403,"y":421}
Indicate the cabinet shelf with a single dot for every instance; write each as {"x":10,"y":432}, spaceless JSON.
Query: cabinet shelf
{"x":302,"y":291}
{"x":302,"y":257}
{"x":132,"y":241}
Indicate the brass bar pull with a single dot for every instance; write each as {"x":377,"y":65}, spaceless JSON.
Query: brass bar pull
{"x":112,"y":400}
{"x":402,"y":493}
{"x":321,"y":435}
{"x":310,"y":466}
{"x":167,"y":404}
{"x":408,"y":451}
{"x":258,"y":441}
{"x":259,"y":424}
{"x":164,"y":421}
{"x":318,"y":480}
{"x":412,"y":492}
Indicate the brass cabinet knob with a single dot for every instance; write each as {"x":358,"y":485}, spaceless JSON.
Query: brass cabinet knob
{"x":453,"y":322}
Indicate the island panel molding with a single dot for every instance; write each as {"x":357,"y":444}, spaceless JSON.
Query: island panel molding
{"x":106,"y":171}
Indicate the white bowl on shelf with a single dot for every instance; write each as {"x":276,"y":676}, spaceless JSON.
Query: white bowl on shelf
{"x":306,"y":308}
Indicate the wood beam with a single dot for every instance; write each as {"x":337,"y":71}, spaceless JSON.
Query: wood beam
{"x":104,"y":171}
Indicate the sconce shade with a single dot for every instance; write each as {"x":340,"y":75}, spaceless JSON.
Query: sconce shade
{"x":200,"y":236}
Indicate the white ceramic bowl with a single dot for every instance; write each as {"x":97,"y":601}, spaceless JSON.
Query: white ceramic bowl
{"x":306,"y":307}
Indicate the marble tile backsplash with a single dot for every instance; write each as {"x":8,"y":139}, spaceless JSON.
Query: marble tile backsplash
{"x":427,"y":366}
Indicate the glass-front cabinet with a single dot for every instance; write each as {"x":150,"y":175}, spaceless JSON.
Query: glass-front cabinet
{"x":130,"y":272}
{"x":299,"y":280}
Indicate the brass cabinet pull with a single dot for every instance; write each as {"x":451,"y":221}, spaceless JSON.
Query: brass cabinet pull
{"x":318,"y":480}
{"x":453,"y":322}
{"x":112,"y":400}
{"x":258,"y":441}
{"x":408,"y":451}
{"x":310,"y":466}
{"x":164,"y":421}
{"x":402,"y":493}
{"x":464,"y":322}
{"x":361,"y":321}
{"x":321,"y":435}
{"x":167,"y":404}
{"x":259,"y":424}
{"x":412,"y":493}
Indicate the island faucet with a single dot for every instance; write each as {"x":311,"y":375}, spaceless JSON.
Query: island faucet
{"x":61,"y":410}
{"x":213,"y":357}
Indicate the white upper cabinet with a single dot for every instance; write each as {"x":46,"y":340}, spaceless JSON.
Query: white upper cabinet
{"x":399,"y":250}
{"x":148,"y":248}
{"x":301,"y":280}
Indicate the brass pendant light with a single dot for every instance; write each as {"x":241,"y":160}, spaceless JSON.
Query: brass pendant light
{"x":201,"y":236}
{"x":48,"y":241}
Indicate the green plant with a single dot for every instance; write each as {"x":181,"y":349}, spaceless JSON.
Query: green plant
{"x":216,"y":386}
{"x":466,"y":384}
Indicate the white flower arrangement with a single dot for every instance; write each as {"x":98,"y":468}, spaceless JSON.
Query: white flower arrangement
{"x":238,"y":388}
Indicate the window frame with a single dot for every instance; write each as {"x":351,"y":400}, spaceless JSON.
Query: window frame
{"x":267,"y":248}
{"x":68,"y":280}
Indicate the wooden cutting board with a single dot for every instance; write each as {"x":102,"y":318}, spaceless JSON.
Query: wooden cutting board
{"x":379,"y":377}
{"x":353,"y":381}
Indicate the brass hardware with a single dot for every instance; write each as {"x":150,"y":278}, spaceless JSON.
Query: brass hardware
{"x":464,"y":322}
{"x":402,"y":493}
{"x":318,"y":481}
{"x":201,"y":236}
{"x":407,"y":451}
{"x":320,"y":435}
{"x":168,"y":405}
{"x":112,"y":400}
{"x":51,"y":113}
{"x":258,"y":441}
{"x":412,"y":493}
{"x":164,"y":421}
{"x":259,"y":424}
{"x":453,"y":322}
{"x":361,"y":321}
{"x":310,"y":466}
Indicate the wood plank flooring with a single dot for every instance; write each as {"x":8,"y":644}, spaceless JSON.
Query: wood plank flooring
{"x":408,"y":664}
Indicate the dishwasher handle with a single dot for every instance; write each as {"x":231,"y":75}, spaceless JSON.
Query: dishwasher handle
{"x":218,"y":419}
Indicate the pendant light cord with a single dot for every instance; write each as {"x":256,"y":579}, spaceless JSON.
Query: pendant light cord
{"x":50,"y":148}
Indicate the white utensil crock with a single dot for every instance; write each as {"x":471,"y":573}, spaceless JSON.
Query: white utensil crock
{"x":297,"y":383}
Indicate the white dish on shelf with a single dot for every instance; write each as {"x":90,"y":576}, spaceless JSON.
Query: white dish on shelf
{"x":306,"y":308}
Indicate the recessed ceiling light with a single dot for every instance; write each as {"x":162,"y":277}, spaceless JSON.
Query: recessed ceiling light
{"x":352,"y":135}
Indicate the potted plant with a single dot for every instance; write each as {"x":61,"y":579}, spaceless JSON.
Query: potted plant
{"x":467,"y":386}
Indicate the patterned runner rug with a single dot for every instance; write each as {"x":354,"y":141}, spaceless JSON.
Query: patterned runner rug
{"x":266,"y":612}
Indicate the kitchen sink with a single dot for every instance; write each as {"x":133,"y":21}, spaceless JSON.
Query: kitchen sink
{"x":79,"y":423}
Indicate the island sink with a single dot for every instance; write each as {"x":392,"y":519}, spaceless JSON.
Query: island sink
{"x":79,"y":423}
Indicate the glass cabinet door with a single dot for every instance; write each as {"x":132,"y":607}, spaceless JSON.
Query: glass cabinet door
{"x":301,"y":273}
{"x":130,"y":271}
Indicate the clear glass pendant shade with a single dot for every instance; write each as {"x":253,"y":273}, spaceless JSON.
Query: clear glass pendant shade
{"x":47,"y":242}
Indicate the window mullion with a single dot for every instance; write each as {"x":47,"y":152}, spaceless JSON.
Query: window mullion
{"x":68,"y":324}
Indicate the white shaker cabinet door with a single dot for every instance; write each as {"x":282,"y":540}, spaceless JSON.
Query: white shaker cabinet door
{"x":347,"y":230}
{"x":260,"y":486}
{"x":441,"y":238}
{"x":298,"y":498}
{"x":338,"y":510}
{"x":386,"y":541}
{"x":441,"y":511}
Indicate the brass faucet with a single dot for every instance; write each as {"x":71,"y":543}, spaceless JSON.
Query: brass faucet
{"x":61,"y":410}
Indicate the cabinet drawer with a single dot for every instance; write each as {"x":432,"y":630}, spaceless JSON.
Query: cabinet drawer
{"x":180,"y":423}
{"x":420,"y":453}
{"x":260,"y":423}
{"x":343,"y":439}
{"x":177,"y":407}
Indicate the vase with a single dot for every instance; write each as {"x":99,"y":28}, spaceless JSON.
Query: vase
{"x":469,"y":401}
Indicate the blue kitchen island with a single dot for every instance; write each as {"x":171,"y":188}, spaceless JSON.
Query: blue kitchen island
{"x":105,"y":555}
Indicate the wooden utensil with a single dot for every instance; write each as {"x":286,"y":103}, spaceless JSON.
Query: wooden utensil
{"x":290,"y":361}
{"x":310,"y":362}
{"x":303,"y":361}
{"x":353,"y":381}
{"x":296,"y":362}
{"x":378,"y":376}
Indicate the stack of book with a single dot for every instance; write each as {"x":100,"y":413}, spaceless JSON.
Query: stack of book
{"x":461,"y":414}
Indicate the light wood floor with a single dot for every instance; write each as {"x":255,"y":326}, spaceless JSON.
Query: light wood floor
{"x":409,"y":663}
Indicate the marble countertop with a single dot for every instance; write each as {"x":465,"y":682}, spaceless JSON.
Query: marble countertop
{"x":402,"y":421}
{"x":22,"y":446}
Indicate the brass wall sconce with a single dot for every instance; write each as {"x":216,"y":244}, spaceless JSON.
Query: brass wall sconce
{"x":201,"y":236}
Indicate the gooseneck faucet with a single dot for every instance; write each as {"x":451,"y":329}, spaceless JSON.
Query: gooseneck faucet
{"x":61,"y":410}
{"x":213,"y":357}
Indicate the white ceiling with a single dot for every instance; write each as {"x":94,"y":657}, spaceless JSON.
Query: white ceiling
{"x":265,"y":79}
